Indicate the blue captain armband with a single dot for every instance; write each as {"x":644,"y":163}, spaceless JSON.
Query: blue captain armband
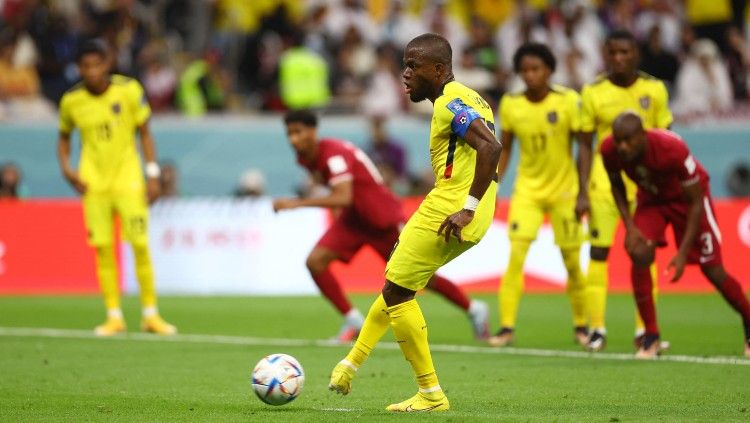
{"x":463,"y":115}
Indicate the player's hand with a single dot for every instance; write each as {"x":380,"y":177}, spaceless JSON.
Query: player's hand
{"x":75,"y":181}
{"x":583,"y":206}
{"x":678,"y":264}
{"x":453,"y":224}
{"x":634,"y":240}
{"x":153,"y":190}
{"x":284,"y":203}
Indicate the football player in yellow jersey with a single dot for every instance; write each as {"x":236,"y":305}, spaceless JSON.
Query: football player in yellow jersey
{"x":545,"y":119}
{"x":453,"y":217}
{"x":108,"y":110}
{"x":622,"y":88}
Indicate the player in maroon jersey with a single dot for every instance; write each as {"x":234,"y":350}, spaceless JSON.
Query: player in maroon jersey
{"x":370,"y":215}
{"x":672,"y":189}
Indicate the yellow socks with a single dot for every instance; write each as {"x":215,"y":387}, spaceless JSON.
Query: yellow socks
{"x":410,"y":330}
{"x":376,"y":323}
{"x":596,"y":292}
{"x":145,"y":273}
{"x":106,"y":272}
{"x":512,"y":284}
{"x":576,"y":288}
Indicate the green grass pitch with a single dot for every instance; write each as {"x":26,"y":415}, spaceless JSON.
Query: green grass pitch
{"x":203,"y":374}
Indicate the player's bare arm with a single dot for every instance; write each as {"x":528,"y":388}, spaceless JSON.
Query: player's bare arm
{"x":63,"y":156}
{"x":341,"y":195}
{"x":506,"y":139}
{"x":585,"y":140}
{"x":694,"y":195}
{"x":633,"y":236}
{"x":488,"y":148}
{"x":148,"y":149}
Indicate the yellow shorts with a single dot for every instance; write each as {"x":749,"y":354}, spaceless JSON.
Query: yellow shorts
{"x":418,"y":254}
{"x":526,"y":216}
{"x":99,"y":211}
{"x":603,"y":220}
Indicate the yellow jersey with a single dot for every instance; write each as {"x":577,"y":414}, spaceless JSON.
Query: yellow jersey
{"x":454,"y":161}
{"x":546,"y":169}
{"x":109,"y":160}
{"x":603,"y":101}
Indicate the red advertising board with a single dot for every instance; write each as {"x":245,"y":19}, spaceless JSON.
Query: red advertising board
{"x":43,"y":250}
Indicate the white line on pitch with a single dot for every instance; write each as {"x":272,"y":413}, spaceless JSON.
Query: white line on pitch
{"x":288,"y":342}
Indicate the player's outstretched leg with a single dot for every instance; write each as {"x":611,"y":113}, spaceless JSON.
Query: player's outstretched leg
{"x":576,"y":290}
{"x":477,"y":311}
{"x":318,"y":263}
{"x":106,"y":271}
{"x":410,"y":330}
{"x":733,"y":294}
{"x":374,"y":327}
{"x":509,"y":294}
{"x":151,"y":321}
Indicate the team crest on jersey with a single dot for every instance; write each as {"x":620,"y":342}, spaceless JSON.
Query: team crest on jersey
{"x":116,"y":108}
{"x":552,"y":117}
{"x":645,"y":102}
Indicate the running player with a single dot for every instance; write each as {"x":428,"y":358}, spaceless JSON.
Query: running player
{"x":371,"y":215}
{"x":622,"y":88}
{"x":108,"y":110}
{"x":453,"y":217}
{"x":672,"y":190}
{"x":544,"y":118}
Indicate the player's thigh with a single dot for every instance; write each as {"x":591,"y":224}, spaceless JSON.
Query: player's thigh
{"x":98,"y":215}
{"x":525,"y":217}
{"x":652,"y":222}
{"x":418,"y":254}
{"x":565,"y":225}
{"x":343,"y":239}
{"x":603,"y":220}
{"x":133,"y":212}
{"x":383,"y":242}
{"x":706,"y":249}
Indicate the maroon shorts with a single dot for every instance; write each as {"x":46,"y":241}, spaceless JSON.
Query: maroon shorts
{"x":652,"y":220}
{"x":346,"y":238}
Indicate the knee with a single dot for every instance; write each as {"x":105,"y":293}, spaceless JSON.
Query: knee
{"x":599,"y":253}
{"x":642,"y":257}
{"x":395,"y":295}
{"x":318,"y":261}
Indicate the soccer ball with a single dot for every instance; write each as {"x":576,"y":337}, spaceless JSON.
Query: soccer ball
{"x":278,"y":379}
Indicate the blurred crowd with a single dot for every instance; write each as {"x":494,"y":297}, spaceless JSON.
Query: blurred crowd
{"x":196,"y":56}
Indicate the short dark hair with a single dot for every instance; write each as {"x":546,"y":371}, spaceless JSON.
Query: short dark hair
{"x":621,"y":34}
{"x":305,"y":117}
{"x":92,"y":46}
{"x":537,"y":50}
{"x":435,"y":46}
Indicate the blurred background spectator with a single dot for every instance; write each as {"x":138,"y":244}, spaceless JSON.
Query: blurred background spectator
{"x":198,"y":56}
{"x":388,"y":155}
{"x":703,"y":83}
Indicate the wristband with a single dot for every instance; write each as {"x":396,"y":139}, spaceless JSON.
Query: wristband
{"x":471,"y":203}
{"x":153,"y":170}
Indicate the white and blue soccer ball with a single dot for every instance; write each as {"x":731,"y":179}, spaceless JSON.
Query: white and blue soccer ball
{"x":278,"y":379}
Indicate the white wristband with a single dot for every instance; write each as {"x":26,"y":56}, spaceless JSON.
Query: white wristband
{"x":153,"y":170}
{"x":471,"y":203}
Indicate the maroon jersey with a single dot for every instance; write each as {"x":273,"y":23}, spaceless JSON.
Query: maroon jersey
{"x":666,"y":166}
{"x":373,"y":204}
